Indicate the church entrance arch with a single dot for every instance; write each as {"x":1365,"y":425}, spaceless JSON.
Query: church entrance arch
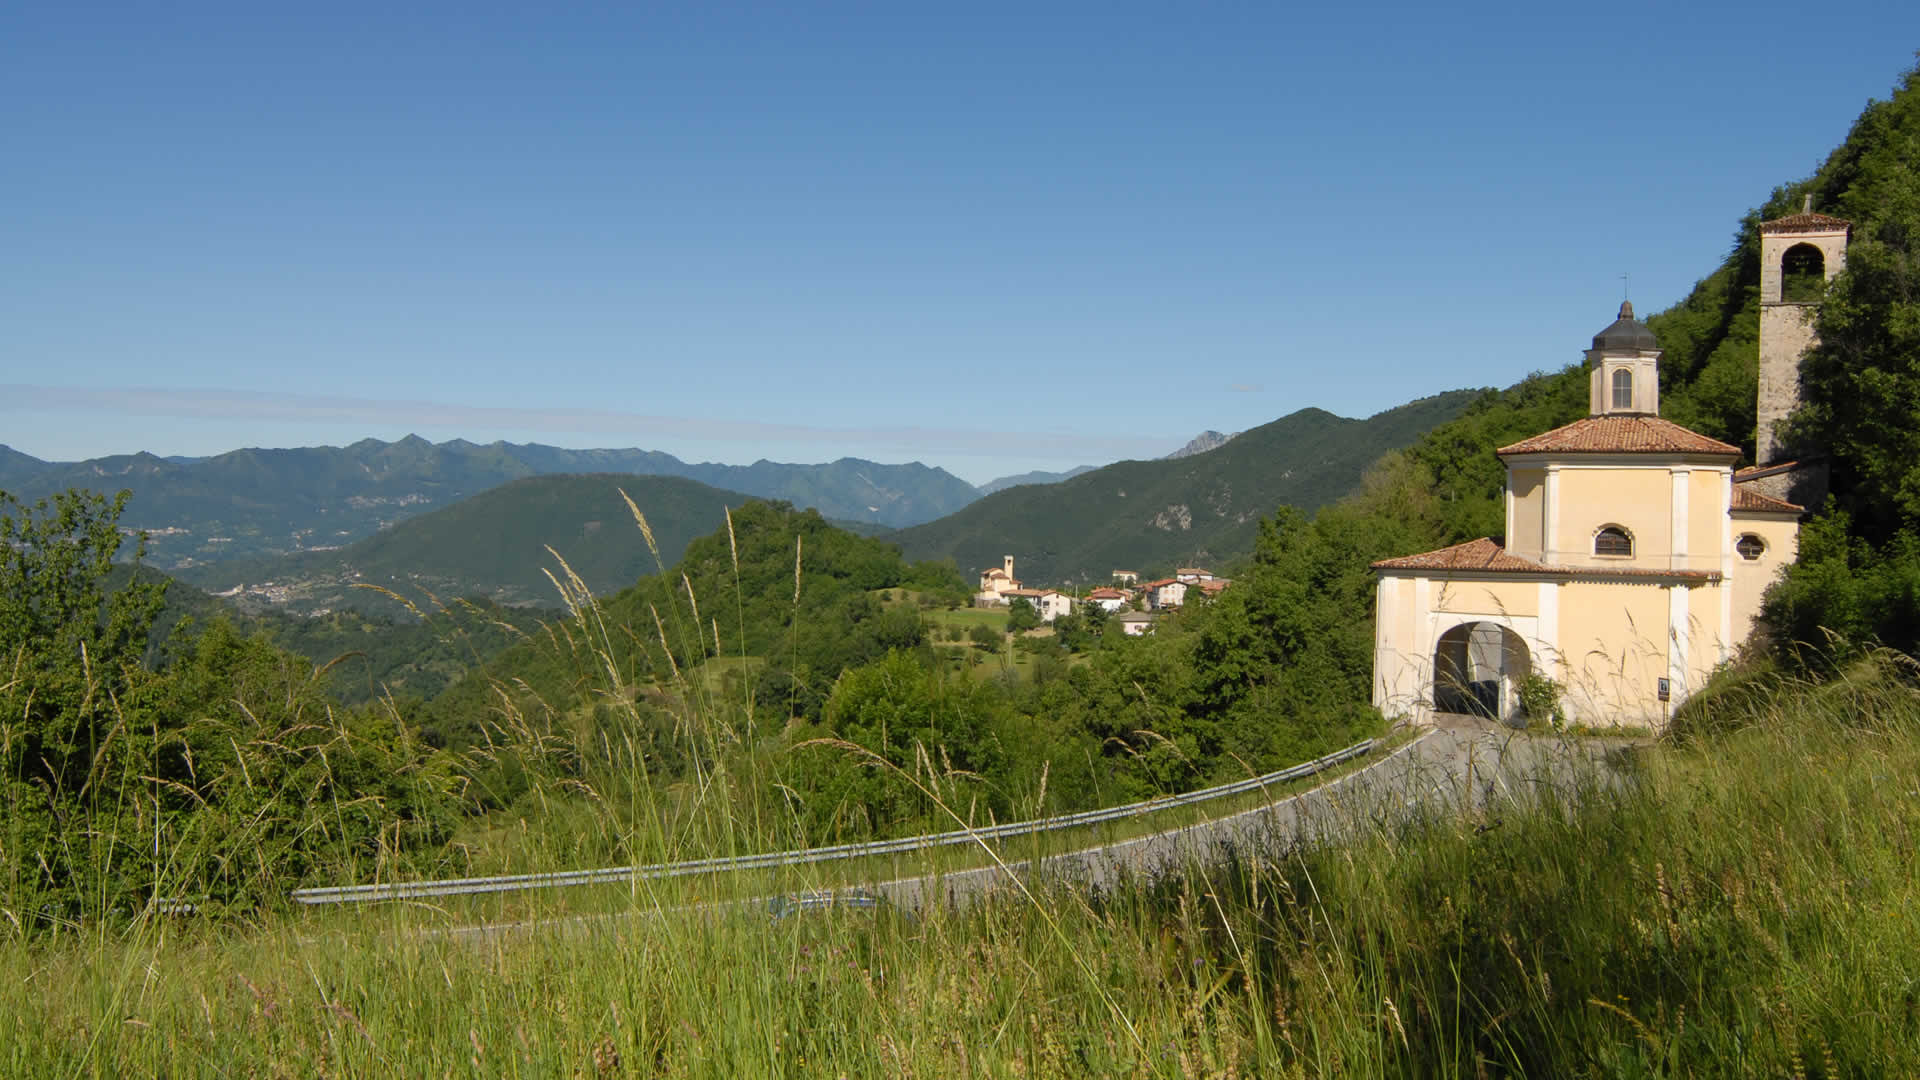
{"x":1477,"y":671}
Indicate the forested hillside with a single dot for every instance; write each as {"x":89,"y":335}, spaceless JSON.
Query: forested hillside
{"x":1201,"y":509}
{"x":784,"y":587}
{"x":493,"y":545}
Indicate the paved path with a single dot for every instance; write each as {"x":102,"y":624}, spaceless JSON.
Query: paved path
{"x":1448,"y":770}
{"x":1444,"y":771}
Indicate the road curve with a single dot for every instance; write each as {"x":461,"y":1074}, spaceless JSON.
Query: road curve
{"x":1443,"y":771}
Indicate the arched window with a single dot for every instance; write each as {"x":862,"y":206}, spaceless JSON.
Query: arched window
{"x":1612,"y":540}
{"x":1803,"y":274}
{"x":1622,"y":388}
{"x":1749,"y":546}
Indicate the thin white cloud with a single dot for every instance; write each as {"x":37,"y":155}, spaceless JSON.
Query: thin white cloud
{"x":475,"y":421}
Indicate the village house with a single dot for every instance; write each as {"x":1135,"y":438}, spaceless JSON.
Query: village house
{"x":1163,"y":594}
{"x":1136,"y":623}
{"x":1634,"y":558}
{"x":1190,"y":575}
{"x":1052,"y":604}
{"x":1126,"y":577}
{"x":1108,"y":600}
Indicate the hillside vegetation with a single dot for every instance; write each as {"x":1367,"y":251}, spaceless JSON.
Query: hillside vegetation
{"x":493,"y":545}
{"x":1201,"y":509}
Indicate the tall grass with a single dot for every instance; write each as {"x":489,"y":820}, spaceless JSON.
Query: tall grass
{"x":1746,"y":907}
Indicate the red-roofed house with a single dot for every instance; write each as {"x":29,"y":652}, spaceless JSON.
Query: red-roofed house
{"x":1163,"y":594}
{"x":1633,"y":565}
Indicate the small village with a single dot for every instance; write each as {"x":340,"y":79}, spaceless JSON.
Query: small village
{"x":1136,"y":604}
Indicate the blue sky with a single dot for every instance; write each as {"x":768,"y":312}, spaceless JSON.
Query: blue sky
{"x":994,"y":239}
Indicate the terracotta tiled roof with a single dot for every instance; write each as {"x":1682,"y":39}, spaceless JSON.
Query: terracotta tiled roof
{"x":1106,"y":594}
{"x":1481,"y":554}
{"x":1620,"y":435}
{"x":1157,"y":584}
{"x":1805,"y":223}
{"x":1028,"y":593}
{"x":1485,"y":556}
{"x":1745,"y":498}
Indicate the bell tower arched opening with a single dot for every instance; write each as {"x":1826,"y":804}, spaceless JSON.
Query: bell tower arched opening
{"x":1803,"y":274}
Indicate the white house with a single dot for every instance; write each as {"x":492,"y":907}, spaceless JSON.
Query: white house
{"x":1052,"y":604}
{"x":1136,"y":623}
{"x":1163,"y":594}
{"x":1107,"y":600}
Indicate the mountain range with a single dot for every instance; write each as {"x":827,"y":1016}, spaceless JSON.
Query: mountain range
{"x":1195,"y":509}
{"x":1199,"y":444}
{"x":493,"y":545}
{"x":257,"y":502}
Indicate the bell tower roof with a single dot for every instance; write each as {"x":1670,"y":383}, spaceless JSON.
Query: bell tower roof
{"x":1624,"y":366}
{"x":1626,"y":334}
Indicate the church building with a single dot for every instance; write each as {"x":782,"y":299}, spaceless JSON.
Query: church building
{"x":1634,"y":559}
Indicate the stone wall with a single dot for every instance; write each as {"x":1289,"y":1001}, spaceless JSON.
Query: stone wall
{"x":1786,"y":330}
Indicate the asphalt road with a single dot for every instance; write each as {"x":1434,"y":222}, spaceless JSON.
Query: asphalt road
{"x":1448,"y":770}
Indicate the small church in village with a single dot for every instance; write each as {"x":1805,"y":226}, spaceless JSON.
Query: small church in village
{"x":1636,"y":554}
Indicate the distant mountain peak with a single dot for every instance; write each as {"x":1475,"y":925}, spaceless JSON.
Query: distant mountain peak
{"x":1200,"y":444}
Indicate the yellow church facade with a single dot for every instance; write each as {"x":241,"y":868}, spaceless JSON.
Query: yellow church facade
{"x":1633,"y":564}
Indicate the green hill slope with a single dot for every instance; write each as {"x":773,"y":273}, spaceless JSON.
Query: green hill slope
{"x":782,"y":585}
{"x":492,"y":545}
{"x":1199,"y":509}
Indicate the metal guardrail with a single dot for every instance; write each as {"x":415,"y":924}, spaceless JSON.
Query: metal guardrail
{"x":408,"y":890}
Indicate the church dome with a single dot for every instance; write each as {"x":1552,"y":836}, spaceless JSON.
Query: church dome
{"x":1627,"y":334}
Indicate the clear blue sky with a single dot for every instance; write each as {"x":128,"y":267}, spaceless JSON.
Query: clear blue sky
{"x":991,"y":240}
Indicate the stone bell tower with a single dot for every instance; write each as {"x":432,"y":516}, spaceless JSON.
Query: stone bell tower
{"x":1799,"y":255}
